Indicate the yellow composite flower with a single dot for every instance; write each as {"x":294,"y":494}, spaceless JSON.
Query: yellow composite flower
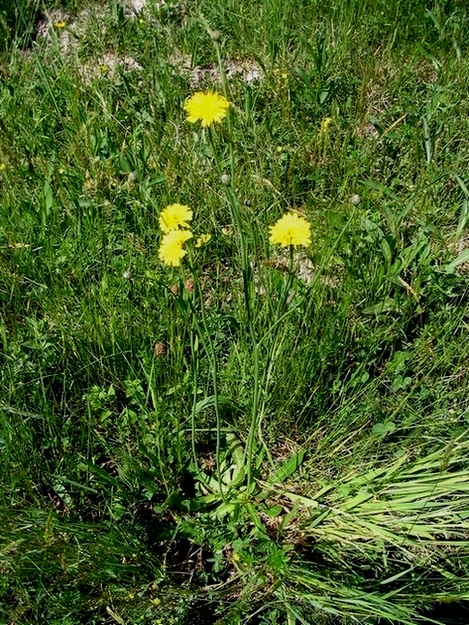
{"x":291,"y":229}
{"x":60,"y":24}
{"x":203,"y":239}
{"x":326,"y":122}
{"x":171,"y":250}
{"x":175,"y":216}
{"x":206,"y":107}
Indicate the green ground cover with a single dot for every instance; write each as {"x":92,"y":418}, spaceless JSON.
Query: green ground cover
{"x":261,"y":435}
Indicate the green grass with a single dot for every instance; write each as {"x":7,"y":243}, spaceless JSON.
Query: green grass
{"x":358,"y":506}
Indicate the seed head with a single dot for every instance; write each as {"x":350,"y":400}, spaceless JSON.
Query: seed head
{"x":189,"y":284}
{"x":159,"y":349}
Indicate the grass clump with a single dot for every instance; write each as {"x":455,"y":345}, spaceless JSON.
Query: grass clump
{"x":233,"y":365}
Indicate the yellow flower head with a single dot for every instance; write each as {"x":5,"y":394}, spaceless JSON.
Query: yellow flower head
{"x":171,"y":249}
{"x":60,"y":24}
{"x":326,"y":122}
{"x":207,"y":107}
{"x":203,"y":239}
{"x":291,"y":229}
{"x":175,"y":216}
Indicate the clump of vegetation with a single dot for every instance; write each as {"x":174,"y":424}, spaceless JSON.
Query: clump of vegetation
{"x":233,"y":295}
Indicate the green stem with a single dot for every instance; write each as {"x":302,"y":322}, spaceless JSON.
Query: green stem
{"x":156,"y":410}
{"x":209,"y":347}
{"x":254,"y":417}
{"x":247,"y":286}
{"x":195,"y":370}
{"x":236,"y":215}
{"x":245,"y":268}
{"x":226,"y":93}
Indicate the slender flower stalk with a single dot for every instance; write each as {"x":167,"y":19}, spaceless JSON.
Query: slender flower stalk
{"x":247,"y":290}
{"x":246,"y":270}
{"x":204,"y":333}
{"x":216,"y":36}
{"x":195,"y":372}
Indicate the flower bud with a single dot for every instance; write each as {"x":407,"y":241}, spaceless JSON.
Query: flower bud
{"x":215,"y":35}
{"x":225,"y":179}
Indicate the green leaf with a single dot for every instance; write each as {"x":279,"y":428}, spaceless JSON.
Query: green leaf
{"x":381,"y":429}
{"x":302,"y":501}
{"x":290,"y":466}
{"x":274,"y":511}
{"x":388,"y":304}
{"x":103,"y":475}
{"x":210,"y":401}
{"x":235,"y":448}
{"x":224,"y":509}
{"x":77,"y":485}
{"x":462,"y":258}
{"x":303,"y":76}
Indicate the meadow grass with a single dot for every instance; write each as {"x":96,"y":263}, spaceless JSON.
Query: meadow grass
{"x":257,"y":436}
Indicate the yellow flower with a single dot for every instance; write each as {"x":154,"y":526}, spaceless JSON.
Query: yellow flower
{"x":203,"y":239}
{"x":60,"y":24}
{"x":291,"y":229}
{"x":171,"y":249}
{"x":207,"y":107}
{"x":2,"y":166}
{"x":326,"y":122}
{"x":175,"y":215}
